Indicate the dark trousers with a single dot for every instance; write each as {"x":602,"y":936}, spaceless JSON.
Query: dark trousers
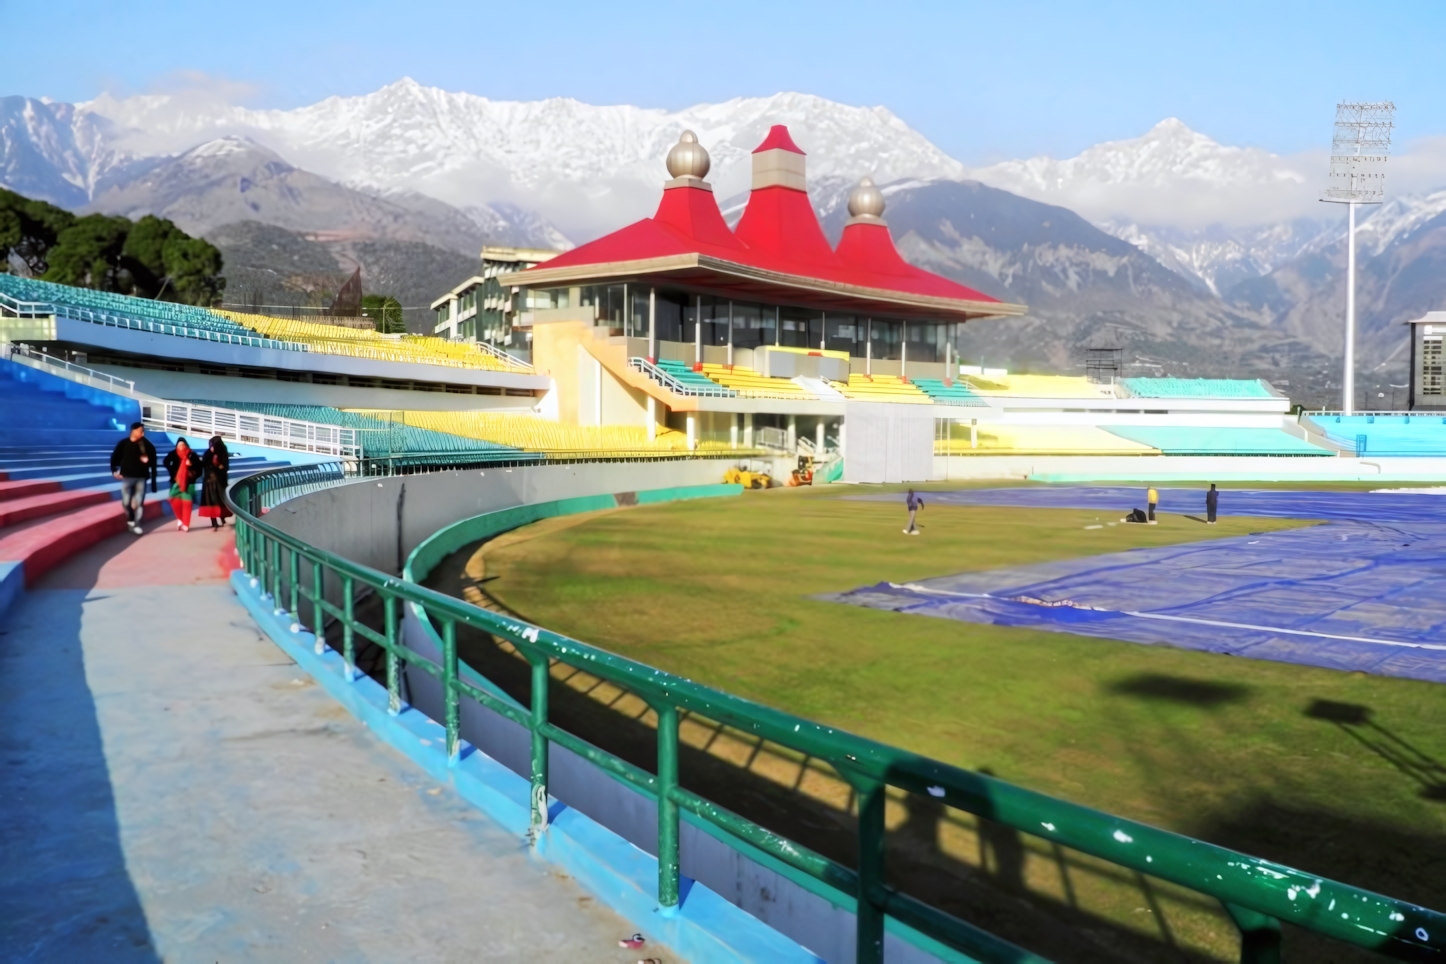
{"x":1152,"y":511}
{"x":1210,"y":514}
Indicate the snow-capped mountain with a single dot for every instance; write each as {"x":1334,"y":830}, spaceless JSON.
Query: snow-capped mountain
{"x":585,"y":168}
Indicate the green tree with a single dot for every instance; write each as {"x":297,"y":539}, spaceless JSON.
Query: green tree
{"x":28,"y":230}
{"x":385,"y":312}
{"x":88,"y":253}
{"x":194,"y":267}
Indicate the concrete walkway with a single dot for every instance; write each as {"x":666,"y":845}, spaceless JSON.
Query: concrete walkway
{"x":175,"y":789}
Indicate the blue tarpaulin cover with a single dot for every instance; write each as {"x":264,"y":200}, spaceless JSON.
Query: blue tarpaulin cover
{"x":1366,"y":591}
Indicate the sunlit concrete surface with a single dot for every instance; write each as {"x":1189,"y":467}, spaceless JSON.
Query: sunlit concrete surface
{"x":175,"y":789}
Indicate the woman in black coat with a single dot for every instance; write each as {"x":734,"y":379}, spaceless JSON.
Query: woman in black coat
{"x":215,"y":465}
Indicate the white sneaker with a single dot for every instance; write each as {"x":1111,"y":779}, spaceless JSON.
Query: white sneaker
{"x":904,"y":531}
{"x":185,"y":528}
{"x":914,"y":533}
{"x":137,"y":529}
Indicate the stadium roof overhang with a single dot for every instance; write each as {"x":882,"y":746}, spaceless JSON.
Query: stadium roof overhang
{"x":707,"y":274}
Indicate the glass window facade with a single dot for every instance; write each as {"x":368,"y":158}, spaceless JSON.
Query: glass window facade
{"x":678,"y":315}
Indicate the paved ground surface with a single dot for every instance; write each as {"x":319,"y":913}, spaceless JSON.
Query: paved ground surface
{"x":175,"y":789}
{"x":1367,"y":591}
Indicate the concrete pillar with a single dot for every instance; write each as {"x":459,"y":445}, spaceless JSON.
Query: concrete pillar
{"x":869,"y":347}
{"x":652,"y":419}
{"x":819,"y":440}
{"x":793,"y":434}
{"x":904,"y":351}
{"x":653,"y":326}
{"x":698,"y":330}
{"x":692,"y":431}
{"x":842,"y":429}
{"x":974,"y":433}
{"x":597,"y":384}
{"x":730,"y":335}
{"x":748,"y":430}
{"x":733,"y":431}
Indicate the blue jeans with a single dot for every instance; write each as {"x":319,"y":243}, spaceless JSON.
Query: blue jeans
{"x":133,"y":499}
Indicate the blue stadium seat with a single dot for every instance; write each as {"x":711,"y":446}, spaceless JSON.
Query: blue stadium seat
{"x":1402,"y":435}
{"x":124,"y":311}
{"x":1219,"y":441}
{"x":377,"y":437}
{"x":1196,"y":388}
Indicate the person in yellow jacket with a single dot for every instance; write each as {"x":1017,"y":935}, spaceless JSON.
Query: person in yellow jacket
{"x":1153,"y":499}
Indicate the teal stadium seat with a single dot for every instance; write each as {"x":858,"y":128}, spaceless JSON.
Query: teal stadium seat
{"x":955,"y":394}
{"x":1401,"y":435}
{"x":1219,"y":441}
{"x":1196,"y":388}
{"x":123,"y":311}
{"x":378,"y":438}
{"x":684,"y":374}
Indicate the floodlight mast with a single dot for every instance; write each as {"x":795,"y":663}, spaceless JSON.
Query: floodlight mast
{"x":1359,"y":149}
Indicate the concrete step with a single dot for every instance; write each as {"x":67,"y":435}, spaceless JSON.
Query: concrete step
{"x":48,"y":503}
{"x":41,"y":544}
{"x":21,"y":490}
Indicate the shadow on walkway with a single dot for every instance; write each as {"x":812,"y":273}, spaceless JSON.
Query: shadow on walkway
{"x":65,"y":892}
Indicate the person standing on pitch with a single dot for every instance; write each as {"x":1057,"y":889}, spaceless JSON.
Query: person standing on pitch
{"x":1212,"y":502}
{"x":1152,"y":499}
{"x":133,"y":461}
{"x":915,"y":504}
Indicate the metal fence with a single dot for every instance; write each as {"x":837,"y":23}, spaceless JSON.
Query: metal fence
{"x":1257,"y":894}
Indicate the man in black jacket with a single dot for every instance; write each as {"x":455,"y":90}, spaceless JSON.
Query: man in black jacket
{"x":133,"y":461}
{"x":1212,"y":502}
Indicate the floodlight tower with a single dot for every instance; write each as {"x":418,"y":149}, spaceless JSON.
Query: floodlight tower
{"x":1359,"y":149}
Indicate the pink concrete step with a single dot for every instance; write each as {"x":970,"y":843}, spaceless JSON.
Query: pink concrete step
{"x":26,"y":487}
{"x":50,"y":503}
{"x":40,"y":545}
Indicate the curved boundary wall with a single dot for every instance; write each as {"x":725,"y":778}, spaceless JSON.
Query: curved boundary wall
{"x":791,"y":903}
{"x":410,"y":523}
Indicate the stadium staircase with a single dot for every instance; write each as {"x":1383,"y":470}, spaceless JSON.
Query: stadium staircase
{"x":57,"y":495}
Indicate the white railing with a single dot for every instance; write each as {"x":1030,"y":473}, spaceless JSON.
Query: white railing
{"x":258,"y":429}
{"x":37,"y":309}
{"x":76,"y":373}
{"x":672,"y":384}
{"x":769,"y":437}
{"x":510,"y":361}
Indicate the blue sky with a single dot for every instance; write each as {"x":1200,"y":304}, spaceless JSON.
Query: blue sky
{"x":985,"y":81}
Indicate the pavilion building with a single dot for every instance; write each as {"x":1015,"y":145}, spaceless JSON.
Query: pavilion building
{"x":679,"y":320}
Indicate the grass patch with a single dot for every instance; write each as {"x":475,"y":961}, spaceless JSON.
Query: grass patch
{"x":1250,"y":754}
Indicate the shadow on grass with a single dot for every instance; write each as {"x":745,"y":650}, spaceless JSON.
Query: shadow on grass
{"x":1356,"y":721}
{"x":1205,"y":694}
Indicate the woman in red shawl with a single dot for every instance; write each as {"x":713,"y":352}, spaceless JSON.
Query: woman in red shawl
{"x":184,"y":467}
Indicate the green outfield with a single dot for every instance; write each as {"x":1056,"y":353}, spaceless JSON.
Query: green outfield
{"x":1235,"y":751}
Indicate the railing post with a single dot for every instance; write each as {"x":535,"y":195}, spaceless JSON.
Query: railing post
{"x":294,"y":573}
{"x":318,"y":615}
{"x":540,"y":680}
{"x":1259,"y":935}
{"x":869,"y":914}
{"x":667,"y":807}
{"x":394,"y":683}
{"x":451,"y":712}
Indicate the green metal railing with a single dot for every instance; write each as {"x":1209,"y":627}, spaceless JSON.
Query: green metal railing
{"x":1257,"y":894}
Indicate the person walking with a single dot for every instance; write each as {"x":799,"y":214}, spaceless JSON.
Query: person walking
{"x":1152,"y":499}
{"x":133,"y":461}
{"x":215,"y":465}
{"x":1212,"y":502}
{"x":915,"y":504}
{"x":184,"y":466}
